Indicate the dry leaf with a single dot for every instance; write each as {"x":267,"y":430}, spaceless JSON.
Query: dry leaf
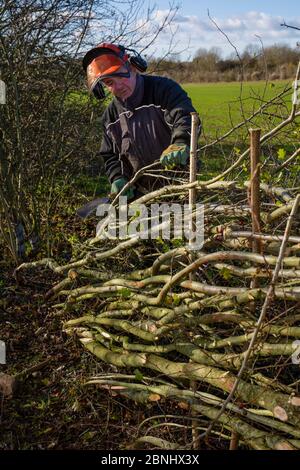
{"x":72,"y":274}
{"x":183,"y":405}
{"x":154,"y":397}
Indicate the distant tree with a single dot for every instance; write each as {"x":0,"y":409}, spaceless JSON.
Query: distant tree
{"x":208,"y":59}
{"x":251,"y":50}
{"x":224,"y":65}
{"x":279,"y":54}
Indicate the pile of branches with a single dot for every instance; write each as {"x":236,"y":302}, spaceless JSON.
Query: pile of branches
{"x":194,"y":327}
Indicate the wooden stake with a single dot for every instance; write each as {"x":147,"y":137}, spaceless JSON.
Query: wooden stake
{"x":193,"y":171}
{"x":192,"y":202}
{"x":193,"y":157}
{"x":255,"y":186}
{"x":234,"y":441}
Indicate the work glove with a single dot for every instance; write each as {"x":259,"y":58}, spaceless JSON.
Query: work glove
{"x":175,"y":155}
{"x":119,"y":184}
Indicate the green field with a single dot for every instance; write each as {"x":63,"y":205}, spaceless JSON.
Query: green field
{"x":221,"y":106}
{"x":224,"y":105}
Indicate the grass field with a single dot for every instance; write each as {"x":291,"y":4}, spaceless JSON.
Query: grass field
{"x":222,"y":105}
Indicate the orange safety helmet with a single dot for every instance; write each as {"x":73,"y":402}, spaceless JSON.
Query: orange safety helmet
{"x":104,"y":61}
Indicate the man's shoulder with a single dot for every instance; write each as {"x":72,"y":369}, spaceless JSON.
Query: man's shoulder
{"x":159,"y":89}
{"x":159,"y":81}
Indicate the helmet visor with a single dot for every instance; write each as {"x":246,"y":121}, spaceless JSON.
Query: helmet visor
{"x":105,"y":65}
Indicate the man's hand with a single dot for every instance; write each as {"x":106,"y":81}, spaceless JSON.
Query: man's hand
{"x":175,"y":155}
{"x":119,"y":184}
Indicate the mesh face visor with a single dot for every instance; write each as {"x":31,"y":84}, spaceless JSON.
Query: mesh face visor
{"x":104,"y":66}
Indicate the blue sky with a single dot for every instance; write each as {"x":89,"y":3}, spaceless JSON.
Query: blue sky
{"x":241,"y":20}
{"x":230,"y":7}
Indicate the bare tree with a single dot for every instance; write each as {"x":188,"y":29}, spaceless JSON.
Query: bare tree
{"x":44,"y":128}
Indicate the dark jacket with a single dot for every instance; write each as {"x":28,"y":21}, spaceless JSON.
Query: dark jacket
{"x":136,"y":132}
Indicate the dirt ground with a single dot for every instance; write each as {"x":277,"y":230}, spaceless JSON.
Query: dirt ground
{"x":51,"y":408}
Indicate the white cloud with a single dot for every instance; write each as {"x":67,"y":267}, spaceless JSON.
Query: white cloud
{"x":242,"y":30}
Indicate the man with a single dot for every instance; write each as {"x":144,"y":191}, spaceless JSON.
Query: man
{"x":148,"y":118}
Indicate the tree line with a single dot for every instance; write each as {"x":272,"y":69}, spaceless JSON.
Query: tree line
{"x":275,"y":62}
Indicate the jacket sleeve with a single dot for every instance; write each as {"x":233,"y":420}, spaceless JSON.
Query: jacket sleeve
{"x":112,"y":164}
{"x":178,"y":108}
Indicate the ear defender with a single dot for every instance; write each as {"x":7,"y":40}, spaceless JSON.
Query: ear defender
{"x":136,"y":60}
{"x":139,"y":63}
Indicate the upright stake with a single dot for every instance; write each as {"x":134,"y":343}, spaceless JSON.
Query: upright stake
{"x":193,"y":172}
{"x":192,"y":202}
{"x":255,"y":198}
{"x":193,"y":157}
{"x":255,"y":186}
